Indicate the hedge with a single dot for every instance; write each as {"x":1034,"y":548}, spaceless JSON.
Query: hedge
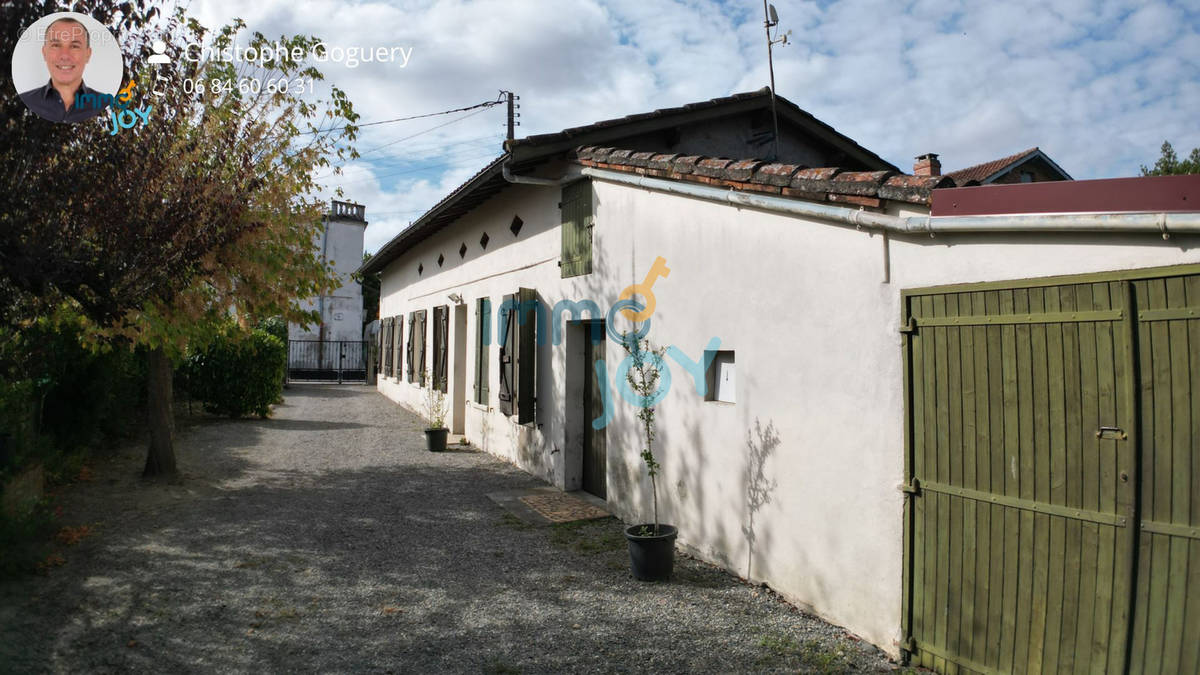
{"x":239,"y":373}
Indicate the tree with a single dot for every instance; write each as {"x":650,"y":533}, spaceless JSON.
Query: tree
{"x":1169,"y":164}
{"x":158,"y":232}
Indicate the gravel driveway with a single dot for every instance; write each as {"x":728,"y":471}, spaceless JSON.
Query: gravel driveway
{"x":326,"y":539}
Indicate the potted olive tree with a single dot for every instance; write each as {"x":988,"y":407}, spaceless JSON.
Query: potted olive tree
{"x":435,"y":412}
{"x":651,"y":545}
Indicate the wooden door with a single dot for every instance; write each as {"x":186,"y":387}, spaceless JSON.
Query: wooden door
{"x":595,"y":463}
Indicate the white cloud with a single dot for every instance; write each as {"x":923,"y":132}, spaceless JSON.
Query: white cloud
{"x":1098,"y":84}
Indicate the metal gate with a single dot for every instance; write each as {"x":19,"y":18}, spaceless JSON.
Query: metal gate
{"x":327,"y":361}
{"x":1038,"y":412}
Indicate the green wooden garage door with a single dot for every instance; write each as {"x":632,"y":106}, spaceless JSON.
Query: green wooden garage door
{"x":1053,"y":475}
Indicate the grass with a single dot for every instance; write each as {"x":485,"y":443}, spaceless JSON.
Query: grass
{"x":514,"y":523}
{"x":810,"y":656}
{"x":589,"y":537}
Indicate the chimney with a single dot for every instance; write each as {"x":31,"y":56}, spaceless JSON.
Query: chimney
{"x":927,"y":165}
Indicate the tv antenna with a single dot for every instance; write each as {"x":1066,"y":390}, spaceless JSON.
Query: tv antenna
{"x":771,"y":20}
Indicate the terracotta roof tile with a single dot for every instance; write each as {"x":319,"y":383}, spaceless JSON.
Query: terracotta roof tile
{"x":779,"y":175}
{"x":712,"y":167}
{"x":661,"y":162}
{"x":907,"y":188}
{"x":686,"y":164}
{"x":815,"y":180}
{"x":641,"y":159}
{"x":741,"y":170}
{"x":830,"y":183}
{"x":865,"y":183}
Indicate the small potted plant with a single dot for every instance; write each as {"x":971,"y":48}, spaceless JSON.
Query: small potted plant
{"x":435,"y":412}
{"x":651,"y":545}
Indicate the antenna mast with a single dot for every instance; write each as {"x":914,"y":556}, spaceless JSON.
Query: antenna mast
{"x":770,"y":20}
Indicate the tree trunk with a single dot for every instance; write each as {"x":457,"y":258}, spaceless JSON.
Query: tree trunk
{"x":160,"y":456}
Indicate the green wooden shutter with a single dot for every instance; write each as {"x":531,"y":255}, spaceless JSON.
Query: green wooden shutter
{"x":441,"y":331}
{"x":420,"y":357}
{"x":412,"y":337}
{"x":526,"y":355}
{"x":508,"y":348}
{"x":577,"y":221}
{"x":483,"y":332}
{"x":397,"y":345}
{"x":385,"y":327}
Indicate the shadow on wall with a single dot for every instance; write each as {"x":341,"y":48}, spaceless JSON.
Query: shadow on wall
{"x":761,"y":443}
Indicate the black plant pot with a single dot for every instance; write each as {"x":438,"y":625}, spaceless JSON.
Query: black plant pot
{"x":435,"y":439}
{"x":651,"y":556}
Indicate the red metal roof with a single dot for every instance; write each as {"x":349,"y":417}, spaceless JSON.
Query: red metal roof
{"x":1146,"y":194}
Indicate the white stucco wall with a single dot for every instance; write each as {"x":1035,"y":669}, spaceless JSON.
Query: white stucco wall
{"x":819,"y":395}
{"x":341,"y":312}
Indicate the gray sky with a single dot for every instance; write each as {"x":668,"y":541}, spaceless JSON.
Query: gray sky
{"x":1097,"y":84}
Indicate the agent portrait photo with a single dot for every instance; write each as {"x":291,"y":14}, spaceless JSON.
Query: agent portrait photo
{"x":66,"y":49}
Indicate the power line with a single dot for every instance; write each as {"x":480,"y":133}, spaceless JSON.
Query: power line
{"x":399,"y":140}
{"x":485,"y":104}
{"x":427,"y":167}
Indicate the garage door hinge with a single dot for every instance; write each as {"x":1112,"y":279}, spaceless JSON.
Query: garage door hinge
{"x":913,"y":488}
{"x":910,"y":327}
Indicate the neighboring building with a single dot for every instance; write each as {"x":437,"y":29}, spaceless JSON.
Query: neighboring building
{"x":1030,"y":166}
{"x":870,"y":405}
{"x":341,"y":244}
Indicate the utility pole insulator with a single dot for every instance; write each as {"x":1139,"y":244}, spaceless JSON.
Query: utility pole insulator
{"x":511,"y":114}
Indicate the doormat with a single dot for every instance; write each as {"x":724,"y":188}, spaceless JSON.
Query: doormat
{"x":563,"y":508}
{"x":549,"y":505}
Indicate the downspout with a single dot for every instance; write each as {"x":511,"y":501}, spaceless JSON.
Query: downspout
{"x":1159,"y":223}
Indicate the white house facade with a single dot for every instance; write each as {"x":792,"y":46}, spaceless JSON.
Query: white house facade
{"x":806,"y":373}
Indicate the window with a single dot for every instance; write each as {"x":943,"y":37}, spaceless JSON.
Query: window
{"x":576,"y":228}
{"x":441,"y":331}
{"x":721,"y":378}
{"x":483,"y":347}
{"x":520,"y":315}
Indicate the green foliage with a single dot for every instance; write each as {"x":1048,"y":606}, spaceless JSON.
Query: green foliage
{"x":61,"y":398}
{"x":435,"y":403}
{"x":275,"y":325}
{"x":158,"y":233}
{"x":16,"y":424}
{"x":239,"y":373}
{"x":24,"y":539}
{"x":1169,"y":164}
